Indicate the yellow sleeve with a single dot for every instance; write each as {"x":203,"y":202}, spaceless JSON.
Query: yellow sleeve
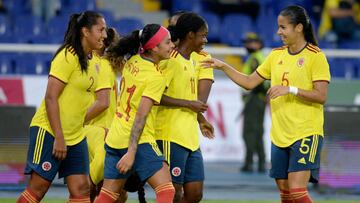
{"x":320,"y":68}
{"x":154,"y":89}
{"x":63,"y":65}
{"x":264,"y":70}
{"x":205,"y":73}
{"x":105,"y":76}
{"x":168,"y":71}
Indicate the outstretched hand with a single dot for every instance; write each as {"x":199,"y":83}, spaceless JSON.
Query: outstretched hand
{"x":212,"y":63}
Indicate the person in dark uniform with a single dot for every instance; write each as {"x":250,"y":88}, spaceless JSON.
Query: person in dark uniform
{"x":254,"y":107}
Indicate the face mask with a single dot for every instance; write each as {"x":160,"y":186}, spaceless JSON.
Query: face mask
{"x":250,"y":50}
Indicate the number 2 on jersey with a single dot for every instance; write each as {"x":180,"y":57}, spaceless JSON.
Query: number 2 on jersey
{"x":131,"y":91}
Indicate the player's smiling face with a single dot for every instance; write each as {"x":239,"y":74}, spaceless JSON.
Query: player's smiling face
{"x":200,"y":39}
{"x":97,"y":34}
{"x":286,"y":30}
{"x":165,"y":47}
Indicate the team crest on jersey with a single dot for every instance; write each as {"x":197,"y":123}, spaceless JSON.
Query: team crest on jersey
{"x":300,"y":62}
{"x":46,"y":166}
{"x":176,"y":171}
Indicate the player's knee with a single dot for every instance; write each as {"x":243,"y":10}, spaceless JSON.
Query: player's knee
{"x":82,"y":188}
{"x":178,"y":194}
{"x":195,"y":196}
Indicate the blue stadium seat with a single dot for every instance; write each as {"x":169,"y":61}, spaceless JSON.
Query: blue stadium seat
{"x":27,"y":28}
{"x":108,"y":15}
{"x":78,"y":5}
{"x":235,"y":27}
{"x":194,"y":5}
{"x":266,"y":26}
{"x":5,"y":30}
{"x":6,"y":65}
{"x":342,"y":68}
{"x":31,"y":64}
{"x":126,"y":25}
{"x":349,"y":44}
{"x":56,"y":29}
{"x":213,"y":21}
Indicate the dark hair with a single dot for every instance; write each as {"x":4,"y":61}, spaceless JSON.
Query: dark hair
{"x":187,"y":22}
{"x":129,"y":45}
{"x":112,"y":37}
{"x":298,"y":14}
{"x":72,"y":36}
{"x":177,"y":14}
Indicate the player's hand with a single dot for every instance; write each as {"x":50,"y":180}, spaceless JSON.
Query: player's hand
{"x":197,"y":106}
{"x":59,"y":148}
{"x":277,"y":90}
{"x":207,"y":129}
{"x":212,"y":63}
{"x":126,"y":162}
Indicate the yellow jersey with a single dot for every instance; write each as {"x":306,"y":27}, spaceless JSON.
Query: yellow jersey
{"x":202,"y":73}
{"x":292,"y":117}
{"x":76,"y":97}
{"x":107,"y":80}
{"x":179,"y":124}
{"x":140,"y":78}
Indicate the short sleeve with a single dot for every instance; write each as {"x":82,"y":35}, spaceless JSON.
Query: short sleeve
{"x":205,"y":73}
{"x":264,"y":70}
{"x":154,"y":88}
{"x":320,"y":68}
{"x":105,"y":75}
{"x":168,"y":69}
{"x":63,"y":65}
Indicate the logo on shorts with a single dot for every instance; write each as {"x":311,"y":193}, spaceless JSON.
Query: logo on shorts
{"x":302,"y":161}
{"x":46,"y":166}
{"x":176,"y":171}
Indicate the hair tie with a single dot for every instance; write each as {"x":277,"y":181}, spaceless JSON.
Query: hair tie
{"x":140,"y":33}
{"x":80,"y":17}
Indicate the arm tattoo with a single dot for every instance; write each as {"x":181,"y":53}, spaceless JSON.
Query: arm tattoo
{"x":136,"y":132}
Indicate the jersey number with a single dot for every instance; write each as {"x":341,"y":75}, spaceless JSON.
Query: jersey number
{"x":92,"y":83}
{"x":285,"y":79}
{"x":192,"y":84}
{"x":131,"y":91}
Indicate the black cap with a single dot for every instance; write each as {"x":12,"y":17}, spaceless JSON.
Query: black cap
{"x":252,"y":37}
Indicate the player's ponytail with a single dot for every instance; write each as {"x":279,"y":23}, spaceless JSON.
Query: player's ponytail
{"x":133,"y":44}
{"x":298,"y":15}
{"x":73,"y":34}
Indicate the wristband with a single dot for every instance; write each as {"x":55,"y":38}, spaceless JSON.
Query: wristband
{"x":293,"y":90}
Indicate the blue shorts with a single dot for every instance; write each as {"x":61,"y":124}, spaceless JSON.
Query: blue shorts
{"x":41,"y":161}
{"x":185,"y":165}
{"x":303,"y":155}
{"x":148,"y":161}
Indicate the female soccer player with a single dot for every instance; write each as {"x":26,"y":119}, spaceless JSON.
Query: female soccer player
{"x":299,"y":75}
{"x":57,"y":142}
{"x":101,"y":113}
{"x":177,"y":128}
{"x":130,"y":145}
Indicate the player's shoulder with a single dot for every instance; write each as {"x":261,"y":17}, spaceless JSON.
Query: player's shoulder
{"x":174,"y":54}
{"x":200,"y":55}
{"x":312,"y":48}
{"x":282,"y":48}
